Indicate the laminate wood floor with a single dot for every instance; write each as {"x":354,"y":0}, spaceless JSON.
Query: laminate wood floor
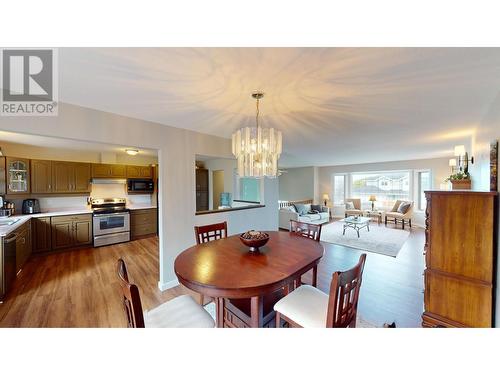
{"x":78,"y":287}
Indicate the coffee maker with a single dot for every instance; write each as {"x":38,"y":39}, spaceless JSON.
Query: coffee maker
{"x":31,"y":206}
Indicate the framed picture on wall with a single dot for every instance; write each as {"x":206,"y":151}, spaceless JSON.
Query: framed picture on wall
{"x":494,"y":166}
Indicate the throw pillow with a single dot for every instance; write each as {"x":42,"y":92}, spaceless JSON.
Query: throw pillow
{"x":313,"y":212}
{"x":403,"y":207}
{"x":301,"y":209}
{"x":316,"y":207}
{"x":292,"y":208}
{"x":349,"y":205}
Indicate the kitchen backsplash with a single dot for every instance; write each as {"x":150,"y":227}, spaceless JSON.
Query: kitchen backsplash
{"x":98,"y":191}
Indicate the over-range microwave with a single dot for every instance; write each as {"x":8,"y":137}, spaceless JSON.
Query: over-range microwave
{"x":140,"y":186}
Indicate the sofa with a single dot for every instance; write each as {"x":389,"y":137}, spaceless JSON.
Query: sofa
{"x":398,"y":216}
{"x":304,"y":212}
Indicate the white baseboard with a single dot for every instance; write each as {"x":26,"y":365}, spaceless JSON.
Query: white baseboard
{"x":168,"y":285}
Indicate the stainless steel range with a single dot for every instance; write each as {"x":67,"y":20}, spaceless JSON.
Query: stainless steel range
{"x":111,"y":221}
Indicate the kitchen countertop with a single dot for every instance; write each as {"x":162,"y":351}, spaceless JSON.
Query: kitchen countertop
{"x":7,"y":229}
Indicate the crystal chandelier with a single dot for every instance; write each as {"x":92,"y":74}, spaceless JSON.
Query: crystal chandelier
{"x":257,"y":149}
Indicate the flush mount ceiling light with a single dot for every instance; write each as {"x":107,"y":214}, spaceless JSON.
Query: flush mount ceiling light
{"x":257,"y":149}
{"x":132,"y":152}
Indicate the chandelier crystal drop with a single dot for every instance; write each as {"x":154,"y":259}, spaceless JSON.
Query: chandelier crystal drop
{"x":257,"y":149}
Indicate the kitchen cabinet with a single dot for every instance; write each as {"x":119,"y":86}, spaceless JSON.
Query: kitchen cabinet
{"x":41,"y":234}
{"x":41,"y":176}
{"x":109,"y":170}
{"x":143,"y":222}
{"x":69,"y":177}
{"x":72,"y":230}
{"x":82,"y":175}
{"x":23,"y":245}
{"x":18,"y":175}
{"x":201,"y":189}
{"x":139,"y":171}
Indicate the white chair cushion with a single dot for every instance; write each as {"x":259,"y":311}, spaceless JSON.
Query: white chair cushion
{"x":306,"y":306}
{"x":180,"y":312}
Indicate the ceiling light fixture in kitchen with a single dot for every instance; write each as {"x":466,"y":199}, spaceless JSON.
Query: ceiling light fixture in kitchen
{"x":132,"y":152}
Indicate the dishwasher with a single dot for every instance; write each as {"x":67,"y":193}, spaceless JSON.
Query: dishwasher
{"x":7,"y":264}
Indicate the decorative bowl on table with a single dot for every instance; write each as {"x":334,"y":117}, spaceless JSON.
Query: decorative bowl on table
{"x":254,"y":239}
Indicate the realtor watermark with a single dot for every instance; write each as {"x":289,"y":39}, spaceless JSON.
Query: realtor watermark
{"x":29,"y":82}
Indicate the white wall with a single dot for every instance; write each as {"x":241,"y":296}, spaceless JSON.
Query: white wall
{"x":297,"y":184}
{"x":487,"y":131}
{"x":176,"y":155}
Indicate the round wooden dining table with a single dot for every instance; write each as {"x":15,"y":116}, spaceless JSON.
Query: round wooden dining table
{"x":225,"y":269}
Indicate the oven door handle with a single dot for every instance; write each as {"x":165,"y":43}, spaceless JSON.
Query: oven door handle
{"x":115,"y":214}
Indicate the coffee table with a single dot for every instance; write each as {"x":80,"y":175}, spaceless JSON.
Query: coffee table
{"x":356,"y":223}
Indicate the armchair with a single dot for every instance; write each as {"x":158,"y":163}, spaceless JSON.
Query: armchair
{"x":356,"y":211}
{"x":398,"y":216}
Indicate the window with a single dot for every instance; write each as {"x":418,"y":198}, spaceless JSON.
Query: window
{"x":338,"y":189}
{"x":250,"y":189}
{"x":424,"y":183}
{"x":387,"y":187}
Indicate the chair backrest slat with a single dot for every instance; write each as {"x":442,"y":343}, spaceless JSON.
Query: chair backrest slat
{"x":211,"y":232}
{"x":344,"y":296}
{"x":131,"y":298}
{"x":312,"y":231}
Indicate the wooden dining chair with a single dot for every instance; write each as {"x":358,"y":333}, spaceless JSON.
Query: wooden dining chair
{"x":308,"y":230}
{"x":309,"y":307}
{"x":313,"y":232}
{"x":211,"y":232}
{"x":182,"y":311}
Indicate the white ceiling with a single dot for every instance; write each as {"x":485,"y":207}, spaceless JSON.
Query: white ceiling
{"x":334,"y":105}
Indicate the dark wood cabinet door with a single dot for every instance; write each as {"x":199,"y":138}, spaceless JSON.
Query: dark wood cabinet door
{"x":23,"y":246}
{"x":41,"y":234}
{"x":41,"y":176}
{"x":81,"y":182}
{"x":62,"y":234}
{"x":82,"y":232}
{"x":202,"y":179}
{"x":118,"y":170}
{"x":62,"y":177}
{"x":201,"y":201}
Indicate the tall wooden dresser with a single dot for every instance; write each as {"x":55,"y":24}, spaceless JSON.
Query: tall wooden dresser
{"x":460,"y":252}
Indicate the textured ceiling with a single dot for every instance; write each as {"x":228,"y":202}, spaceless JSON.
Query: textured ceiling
{"x":334,"y":105}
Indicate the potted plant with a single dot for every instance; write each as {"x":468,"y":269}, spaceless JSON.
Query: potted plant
{"x":460,"y":181}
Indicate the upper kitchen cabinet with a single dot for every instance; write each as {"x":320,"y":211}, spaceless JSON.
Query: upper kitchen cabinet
{"x":18,"y":175}
{"x":41,"y":176}
{"x":69,"y":177}
{"x":139,"y":171}
{"x":109,"y":171}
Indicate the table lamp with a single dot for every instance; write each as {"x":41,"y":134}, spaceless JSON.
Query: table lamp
{"x":372,"y":199}
{"x":326,"y":198}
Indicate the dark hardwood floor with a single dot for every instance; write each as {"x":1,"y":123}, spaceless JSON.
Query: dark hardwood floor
{"x":78,"y":288}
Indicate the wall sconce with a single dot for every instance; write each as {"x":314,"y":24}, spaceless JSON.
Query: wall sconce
{"x":463,"y":158}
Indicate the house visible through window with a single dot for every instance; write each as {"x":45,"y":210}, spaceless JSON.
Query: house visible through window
{"x":387,"y":187}
{"x":424,"y":183}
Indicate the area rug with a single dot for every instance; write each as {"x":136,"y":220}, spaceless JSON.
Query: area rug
{"x":360,"y":322}
{"x":380,"y":239}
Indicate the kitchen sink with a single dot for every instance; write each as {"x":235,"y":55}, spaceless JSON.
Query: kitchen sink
{"x":5,"y":221}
